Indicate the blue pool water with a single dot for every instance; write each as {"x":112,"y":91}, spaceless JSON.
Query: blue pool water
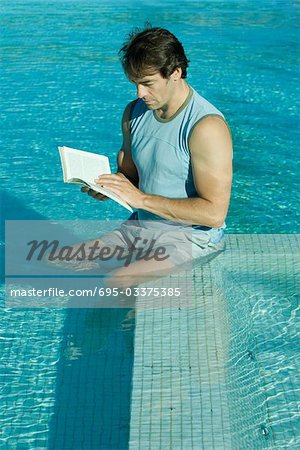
{"x":62,"y":84}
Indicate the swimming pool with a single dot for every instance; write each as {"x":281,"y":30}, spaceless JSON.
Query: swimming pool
{"x":63,"y":85}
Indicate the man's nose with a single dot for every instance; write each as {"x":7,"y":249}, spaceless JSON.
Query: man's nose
{"x":141,"y":91}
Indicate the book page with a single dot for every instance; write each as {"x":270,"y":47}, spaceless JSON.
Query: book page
{"x":82,"y":165}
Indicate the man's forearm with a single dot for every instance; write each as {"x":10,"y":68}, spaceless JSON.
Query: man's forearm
{"x":196,"y":211}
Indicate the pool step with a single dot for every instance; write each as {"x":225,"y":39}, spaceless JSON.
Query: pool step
{"x":179,"y":398}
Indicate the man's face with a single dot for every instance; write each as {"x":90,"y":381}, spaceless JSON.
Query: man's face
{"x":154,"y":90}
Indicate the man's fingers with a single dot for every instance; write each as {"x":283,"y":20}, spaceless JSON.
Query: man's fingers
{"x":111,"y":177}
{"x":99,"y":196}
{"x":94,"y":194}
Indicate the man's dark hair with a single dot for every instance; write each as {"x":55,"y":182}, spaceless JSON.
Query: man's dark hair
{"x":152,"y":48}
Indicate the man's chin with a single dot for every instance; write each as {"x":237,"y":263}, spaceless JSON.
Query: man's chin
{"x":151,"y":105}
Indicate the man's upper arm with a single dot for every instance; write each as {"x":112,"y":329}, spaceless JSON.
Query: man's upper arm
{"x":211,"y":155}
{"x":125,"y":161}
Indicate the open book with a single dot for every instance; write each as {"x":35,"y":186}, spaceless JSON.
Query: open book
{"x":84,"y":167}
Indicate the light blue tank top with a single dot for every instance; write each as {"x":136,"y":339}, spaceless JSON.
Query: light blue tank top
{"x":160,"y":151}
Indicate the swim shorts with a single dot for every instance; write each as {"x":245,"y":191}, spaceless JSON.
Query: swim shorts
{"x":181,"y":244}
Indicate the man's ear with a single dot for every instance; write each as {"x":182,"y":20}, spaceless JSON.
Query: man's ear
{"x":176,"y":75}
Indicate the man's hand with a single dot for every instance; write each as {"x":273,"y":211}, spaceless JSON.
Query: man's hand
{"x":94,"y":194}
{"x":121,"y":186}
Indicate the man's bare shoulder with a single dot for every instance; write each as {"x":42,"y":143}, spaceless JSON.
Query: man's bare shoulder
{"x":211,"y":125}
{"x":211,"y":133}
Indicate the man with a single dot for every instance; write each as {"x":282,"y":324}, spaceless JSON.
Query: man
{"x":175,"y":163}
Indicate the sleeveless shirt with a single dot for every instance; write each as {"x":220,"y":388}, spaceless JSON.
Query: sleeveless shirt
{"x":160,"y":151}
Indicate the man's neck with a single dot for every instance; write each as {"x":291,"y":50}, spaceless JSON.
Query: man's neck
{"x":176,"y":101}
